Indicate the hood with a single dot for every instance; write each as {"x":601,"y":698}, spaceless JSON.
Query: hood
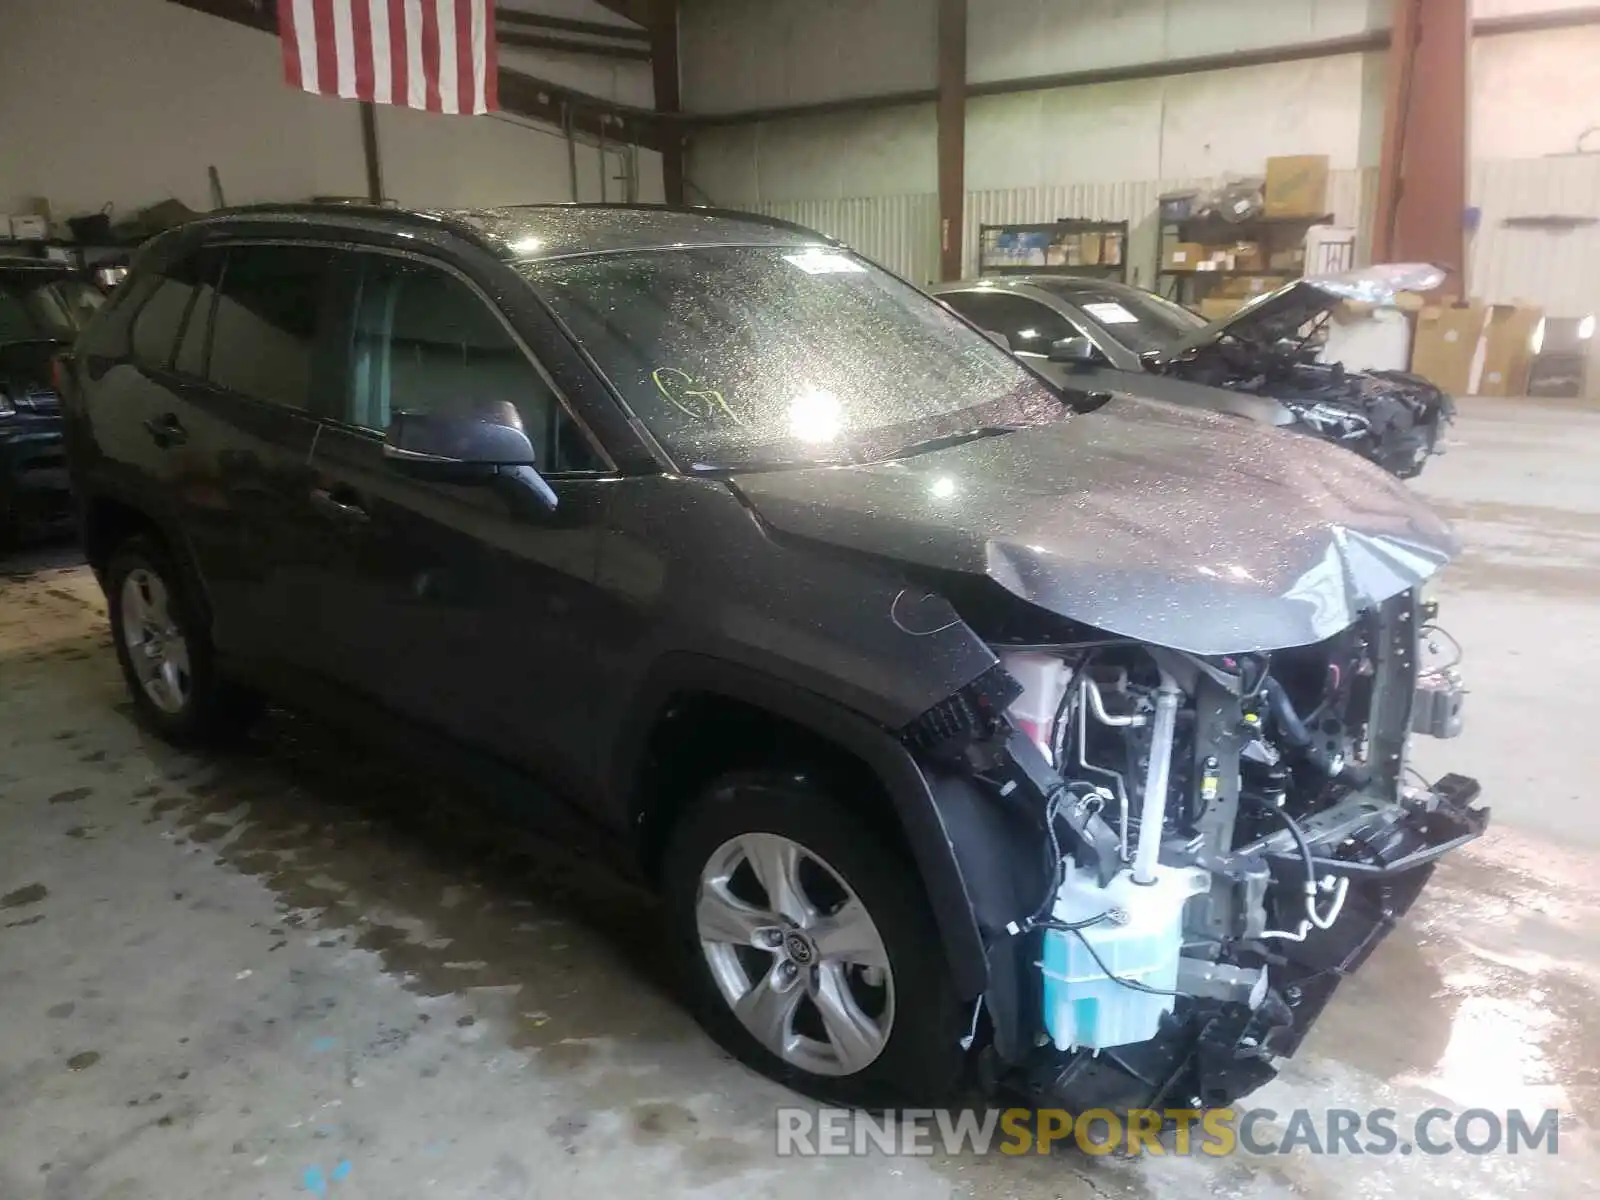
{"x":1270,"y":318}
{"x":1176,"y":527}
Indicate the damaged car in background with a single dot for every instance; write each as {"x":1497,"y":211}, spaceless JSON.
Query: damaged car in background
{"x":968,"y":736}
{"x":1260,"y":362}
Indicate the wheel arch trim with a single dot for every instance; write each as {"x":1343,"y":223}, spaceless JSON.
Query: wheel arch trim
{"x":913,"y":800}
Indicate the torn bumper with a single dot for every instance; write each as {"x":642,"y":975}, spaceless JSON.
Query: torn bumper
{"x":1210,"y":1052}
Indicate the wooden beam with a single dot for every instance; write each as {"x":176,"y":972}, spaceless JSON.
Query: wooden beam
{"x":566,"y":45}
{"x":540,"y":100}
{"x":667,"y":80}
{"x":637,"y":11}
{"x":952,"y":133}
{"x":512,"y":16}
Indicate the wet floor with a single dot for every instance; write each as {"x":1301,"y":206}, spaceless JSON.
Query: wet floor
{"x":298,"y":970}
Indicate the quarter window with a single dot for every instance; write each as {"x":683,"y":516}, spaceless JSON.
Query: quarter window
{"x":424,"y":342}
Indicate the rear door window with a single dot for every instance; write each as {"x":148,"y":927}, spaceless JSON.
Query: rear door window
{"x":1029,"y":327}
{"x":266,"y":322}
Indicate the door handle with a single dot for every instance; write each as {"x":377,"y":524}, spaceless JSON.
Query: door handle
{"x":166,"y":430}
{"x":332,"y":504}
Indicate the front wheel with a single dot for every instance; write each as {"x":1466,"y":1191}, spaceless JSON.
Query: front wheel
{"x":811,"y":952}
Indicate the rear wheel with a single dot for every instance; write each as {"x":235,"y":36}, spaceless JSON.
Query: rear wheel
{"x":165,"y":656}
{"x":810,"y":950}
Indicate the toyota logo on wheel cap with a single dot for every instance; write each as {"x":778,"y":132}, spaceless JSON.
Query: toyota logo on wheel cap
{"x":799,"y":949}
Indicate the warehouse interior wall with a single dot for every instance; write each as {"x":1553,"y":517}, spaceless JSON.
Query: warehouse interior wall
{"x":127,"y":103}
{"x":1106,"y":151}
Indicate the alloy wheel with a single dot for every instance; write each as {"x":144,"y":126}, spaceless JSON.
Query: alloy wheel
{"x":156,"y":646}
{"x":795,"y":954}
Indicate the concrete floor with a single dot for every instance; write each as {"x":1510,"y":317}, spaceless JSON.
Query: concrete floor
{"x":296,"y":971}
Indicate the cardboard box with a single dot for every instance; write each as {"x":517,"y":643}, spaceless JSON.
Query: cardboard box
{"x":28,"y":227}
{"x":1186,"y":256}
{"x":1247,"y":256}
{"x":1111,"y":249}
{"x":1446,"y":342}
{"x":1291,"y":259}
{"x":1507,"y":354}
{"x":1250,"y":285}
{"x":1090,"y":248}
{"x":1297,"y":186}
{"x":1215,"y":308}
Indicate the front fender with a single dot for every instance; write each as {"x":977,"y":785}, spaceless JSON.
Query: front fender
{"x":921,"y":803}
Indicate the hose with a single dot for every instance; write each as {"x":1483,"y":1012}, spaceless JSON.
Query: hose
{"x":1289,"y":723}
{"x":1313,"y":919}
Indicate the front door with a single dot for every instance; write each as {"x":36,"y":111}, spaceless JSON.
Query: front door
{"x":461,"y":606}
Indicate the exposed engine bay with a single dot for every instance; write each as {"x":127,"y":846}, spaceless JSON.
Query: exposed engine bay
{"x":1393,"y":418}
{"x":1224,"y":838}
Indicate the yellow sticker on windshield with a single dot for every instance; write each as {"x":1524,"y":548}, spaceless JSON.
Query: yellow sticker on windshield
{"x":690,"y":397}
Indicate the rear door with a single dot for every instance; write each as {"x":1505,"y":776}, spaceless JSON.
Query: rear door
{"x":463,"y":607}
{"x":249,"y":368}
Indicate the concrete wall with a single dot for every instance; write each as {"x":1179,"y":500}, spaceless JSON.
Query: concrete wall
{"x":129,"y":102}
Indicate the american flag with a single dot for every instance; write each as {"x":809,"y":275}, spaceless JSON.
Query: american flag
{"x":437,"y":55}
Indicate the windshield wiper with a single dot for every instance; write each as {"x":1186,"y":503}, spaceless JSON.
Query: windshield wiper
{"x":946,"y":440}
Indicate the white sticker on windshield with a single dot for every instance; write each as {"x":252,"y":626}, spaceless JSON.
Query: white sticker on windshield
{"x":1109,"y":312}
{"x":824,"y":262}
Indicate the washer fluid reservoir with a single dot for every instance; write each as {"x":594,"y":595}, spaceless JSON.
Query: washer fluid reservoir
{"x":1140,"y":942}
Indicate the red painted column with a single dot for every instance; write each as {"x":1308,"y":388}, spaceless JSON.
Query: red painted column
{"x":952,"y":134}
{"x":1422,"y":176}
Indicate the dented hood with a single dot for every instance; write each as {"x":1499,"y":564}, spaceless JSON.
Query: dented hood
{"x":1181,"y":528}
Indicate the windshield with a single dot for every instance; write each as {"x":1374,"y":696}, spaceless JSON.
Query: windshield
{"x":39,"y":306}
{"x":1140,"y":321}
{"x":765,"y":356}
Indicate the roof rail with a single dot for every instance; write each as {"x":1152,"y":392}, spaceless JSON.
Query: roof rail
{"x":420,"y":218}
{"x":706,"y":210}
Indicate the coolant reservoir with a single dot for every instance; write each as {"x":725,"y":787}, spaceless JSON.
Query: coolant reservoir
{"x":1044,"y":679}
{"x":1083,"y":1005}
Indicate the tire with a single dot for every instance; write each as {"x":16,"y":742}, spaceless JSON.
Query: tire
{"x":193,"y":705}
{"x":919,"y":1058}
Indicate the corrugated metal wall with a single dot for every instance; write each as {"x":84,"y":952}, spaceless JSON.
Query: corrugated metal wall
{"x":901,"y":232}
{"x":1555,"y":267}
{"x":1558,"y":269}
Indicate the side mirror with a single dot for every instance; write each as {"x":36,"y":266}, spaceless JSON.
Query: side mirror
{"x":1075,"y":351}
{"x":445,"y":448}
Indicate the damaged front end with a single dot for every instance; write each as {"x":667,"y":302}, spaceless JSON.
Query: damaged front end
{"x":1201,"y":846}
{"x":1267,"y":348}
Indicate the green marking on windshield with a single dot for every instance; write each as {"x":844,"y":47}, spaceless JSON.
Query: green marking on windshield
{"x":690,"y":397}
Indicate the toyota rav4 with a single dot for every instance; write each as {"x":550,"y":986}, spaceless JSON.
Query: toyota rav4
{"x":968,"y":731}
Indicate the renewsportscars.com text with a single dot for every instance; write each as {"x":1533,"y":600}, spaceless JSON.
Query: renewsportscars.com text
{"x":825,"y":1132}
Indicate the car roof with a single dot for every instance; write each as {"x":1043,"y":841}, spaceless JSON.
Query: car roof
{"x":1065,"y":286}
{"x":541,"y":231}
